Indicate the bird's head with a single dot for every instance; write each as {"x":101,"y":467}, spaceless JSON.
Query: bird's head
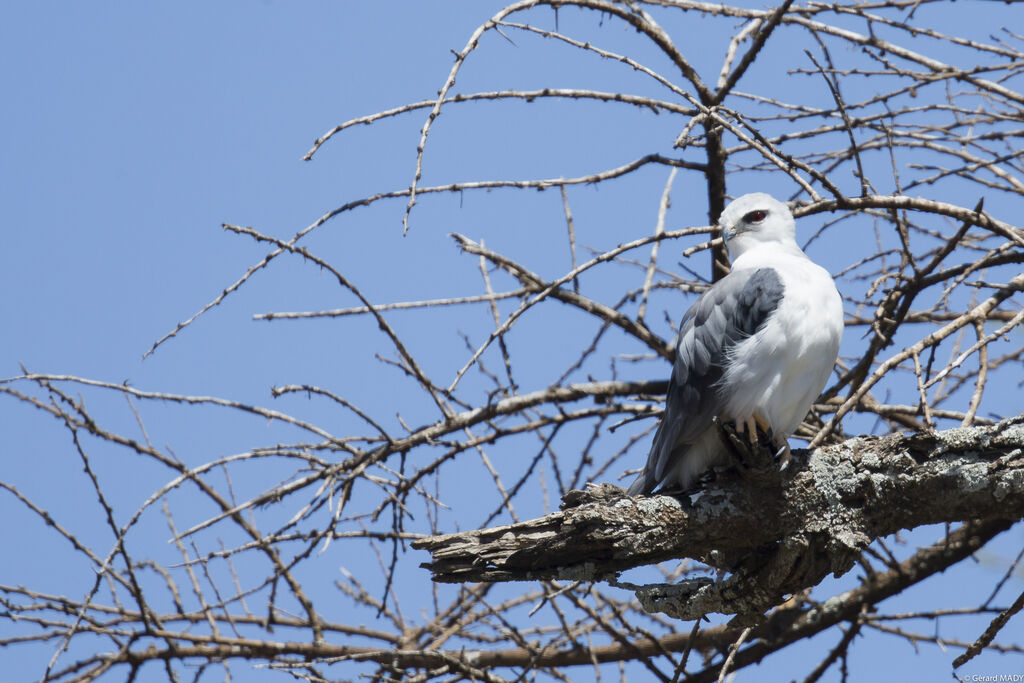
{"x":756,"y":219}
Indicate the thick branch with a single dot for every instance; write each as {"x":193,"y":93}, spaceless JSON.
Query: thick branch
{"x":777,"y":533}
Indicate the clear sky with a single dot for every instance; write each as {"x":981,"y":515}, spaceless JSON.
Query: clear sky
{"x":129,"y":132}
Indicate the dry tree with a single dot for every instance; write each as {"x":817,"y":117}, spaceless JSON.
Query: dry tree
{"x":897,"y":144}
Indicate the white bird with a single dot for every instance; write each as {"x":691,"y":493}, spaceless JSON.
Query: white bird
{"x":755,"y":349}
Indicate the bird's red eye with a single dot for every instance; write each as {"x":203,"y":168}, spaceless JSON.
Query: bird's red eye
{"x":754,"y":217}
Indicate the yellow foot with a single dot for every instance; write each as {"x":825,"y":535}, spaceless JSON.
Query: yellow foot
{"x":750,"y":425}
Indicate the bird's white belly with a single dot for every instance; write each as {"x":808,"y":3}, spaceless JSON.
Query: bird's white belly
{"x":778,"y":372}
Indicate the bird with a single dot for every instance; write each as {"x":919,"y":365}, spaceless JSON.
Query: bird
{"x":754,"y":350}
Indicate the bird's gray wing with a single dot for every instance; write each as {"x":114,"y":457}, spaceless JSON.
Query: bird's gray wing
{"x":734,"y":308}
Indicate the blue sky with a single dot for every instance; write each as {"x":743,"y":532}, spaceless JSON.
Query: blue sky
{"x":131,"y":131}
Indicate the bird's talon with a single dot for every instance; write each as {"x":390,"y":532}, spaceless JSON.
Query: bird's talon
{"x":783,"y":455}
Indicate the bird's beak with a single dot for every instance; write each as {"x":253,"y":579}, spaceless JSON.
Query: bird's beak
{"x":731,"y":232}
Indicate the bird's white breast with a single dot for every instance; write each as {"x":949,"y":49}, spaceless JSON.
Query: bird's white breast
{"x":781,"y":369}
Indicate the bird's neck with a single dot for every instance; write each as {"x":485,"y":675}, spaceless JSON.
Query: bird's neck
{"x":766,"y":253}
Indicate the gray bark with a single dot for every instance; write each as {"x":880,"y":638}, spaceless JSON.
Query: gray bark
{"x":775,"y":533}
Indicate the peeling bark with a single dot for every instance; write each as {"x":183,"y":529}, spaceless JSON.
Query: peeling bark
{"x":776,"y":533}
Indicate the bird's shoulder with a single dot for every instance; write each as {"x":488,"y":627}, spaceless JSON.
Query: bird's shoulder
{"x":731,"y":310}
{"x":741,"y":298}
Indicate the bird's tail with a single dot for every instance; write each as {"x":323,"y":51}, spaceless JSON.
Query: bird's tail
{"x":657,"y":461}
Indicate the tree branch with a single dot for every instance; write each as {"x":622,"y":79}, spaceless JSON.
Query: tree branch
{"x":776,"y":532}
